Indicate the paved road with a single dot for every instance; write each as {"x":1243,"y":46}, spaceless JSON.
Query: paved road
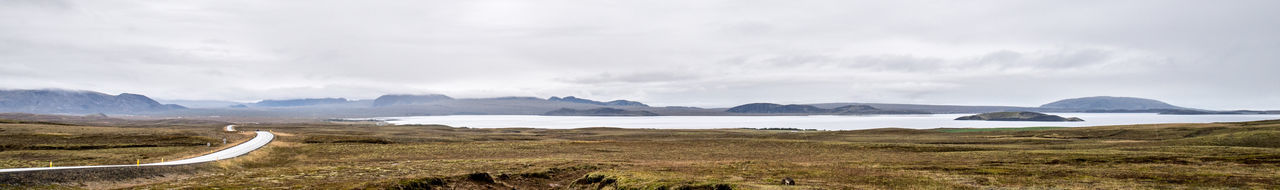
{"x":244,"y":148}
{"x":230,"y":128}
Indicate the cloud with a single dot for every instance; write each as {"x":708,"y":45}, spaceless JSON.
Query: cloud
{"x":704,"y":53}
{"x":640,"y":77}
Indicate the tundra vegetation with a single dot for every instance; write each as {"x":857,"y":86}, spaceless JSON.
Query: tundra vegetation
{"x":360,"y":156}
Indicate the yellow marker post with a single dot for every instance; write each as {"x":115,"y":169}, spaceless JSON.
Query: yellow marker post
{"x":139,"y":162}
{"x":50,"y":164}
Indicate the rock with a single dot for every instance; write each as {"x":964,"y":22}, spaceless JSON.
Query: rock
{"x":1017,"y":116}
{"x":788,"y":181}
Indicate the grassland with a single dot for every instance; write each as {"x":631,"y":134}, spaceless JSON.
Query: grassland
{"x":36,"y":144}
{"x":332,"y":156}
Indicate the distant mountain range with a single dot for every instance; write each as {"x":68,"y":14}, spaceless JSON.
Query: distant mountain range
{"x":437,"y":104}
{"x":1096,"y":104}
{"x":408,"y":99}
{"x":599,"y":112}
{"x":201,"y":103}
{"x":586,"y":101}
{"x":769,"y":108}
{"x":82,"y":102}
{"x":299,"y":102}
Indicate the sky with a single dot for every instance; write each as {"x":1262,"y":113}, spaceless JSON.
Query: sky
{"x":710,"y":53}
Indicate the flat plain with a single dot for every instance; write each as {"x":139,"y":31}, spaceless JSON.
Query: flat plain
{"x":318,"y":155}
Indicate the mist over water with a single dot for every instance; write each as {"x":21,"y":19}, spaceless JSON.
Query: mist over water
{"x":824,"y":122}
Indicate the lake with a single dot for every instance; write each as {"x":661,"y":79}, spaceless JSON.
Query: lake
{"x":823,"y":122}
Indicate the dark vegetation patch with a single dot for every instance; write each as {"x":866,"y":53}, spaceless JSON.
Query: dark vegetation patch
{"x":553,"y":178}
{"x":77,"y":176}
{"x":1000,"y":141}
{"x":1271,"y":159}
{"x":967,"y":130}
{"x":10,"y":121}
{"x":1264,"y":139}
{"x":781,"y":129}
{"x":886,"y":131}
{"x":601,"y":181}
{"x":104,"y":121}
{"x":922,"y":147}
{"x":1254,"y":123}
{"x":1192,"y":179}
{"x":345,"y":139}
{"x":9,"y":142}
{"x":1125,"y":160}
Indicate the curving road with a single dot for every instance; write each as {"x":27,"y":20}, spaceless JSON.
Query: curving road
{"x":244,"y":148}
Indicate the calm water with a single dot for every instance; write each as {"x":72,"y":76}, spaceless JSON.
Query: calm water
{"x":805,"y":122}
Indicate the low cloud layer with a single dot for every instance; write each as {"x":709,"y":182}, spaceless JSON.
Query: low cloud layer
{"x":1217,"y":55}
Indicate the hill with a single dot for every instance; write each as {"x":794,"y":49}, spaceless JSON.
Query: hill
{"x":78,"y":102}
{"x":1018,"y":116}
{"x":405,"y":99}
{"x":299,"y":102}
{"x":770,"y":108}
{"x":940,"y":109}
{"x":588,"y":101}
{"x":599,"y":112}
{"x":775,"y":108}
{"x":1110,"y":103}
{"x":201,"y":103}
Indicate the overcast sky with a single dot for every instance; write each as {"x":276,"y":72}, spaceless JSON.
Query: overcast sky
{"x":1196,"y":53}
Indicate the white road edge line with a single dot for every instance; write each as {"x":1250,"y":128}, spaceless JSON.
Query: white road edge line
{"x":239,"y":150}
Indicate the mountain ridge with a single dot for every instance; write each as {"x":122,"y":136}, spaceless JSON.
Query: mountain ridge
{"x":438,"y":104}
{"x":78,"y":102}
{"x":588,"y":101}
{"x":771,"y":108}
{"x":299,"y":102}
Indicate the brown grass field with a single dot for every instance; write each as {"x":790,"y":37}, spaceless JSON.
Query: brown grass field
{"x":338,"y":156}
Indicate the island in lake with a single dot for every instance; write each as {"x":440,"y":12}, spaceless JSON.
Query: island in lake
{"x":1018,"y":116}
